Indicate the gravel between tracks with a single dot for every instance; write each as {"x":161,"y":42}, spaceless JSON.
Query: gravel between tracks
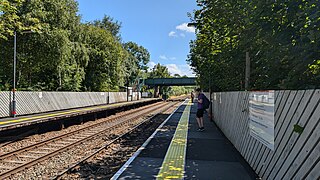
{"x":41,"y":137}
{"x":52,"y":166}
{"x":108,"y":161}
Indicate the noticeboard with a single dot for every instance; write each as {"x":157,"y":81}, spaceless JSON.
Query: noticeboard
{"x":261,"y":117}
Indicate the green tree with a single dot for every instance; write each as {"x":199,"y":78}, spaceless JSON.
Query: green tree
{"x":281,"y":36}
{"x":104,"y":71}
{"x":63,"y":53}
{"x":136,"y":61}
{"x":159,"y":71}
{"x":109,"y":24}
{"x":11,"y":21}
{"x":141,"y":54}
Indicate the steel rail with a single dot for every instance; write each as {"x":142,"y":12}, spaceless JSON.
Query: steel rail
{"x":68,"y":146}
{"x":71,"y":167}
{"x":107,"y":120}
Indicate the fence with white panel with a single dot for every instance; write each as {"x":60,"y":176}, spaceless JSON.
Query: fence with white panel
{"x":296,"y":154}
{"x":38,"y":102}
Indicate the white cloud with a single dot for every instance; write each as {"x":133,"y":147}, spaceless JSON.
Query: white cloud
{"x":173,"y":69}
{"x":151,"y":64}
{"x":163,"y":57}
{"x":172,"y":34}
{"x":184,"y":27}
{"x":180,"y":69}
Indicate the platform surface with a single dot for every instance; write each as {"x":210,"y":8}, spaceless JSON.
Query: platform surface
{"x":209,"y":155}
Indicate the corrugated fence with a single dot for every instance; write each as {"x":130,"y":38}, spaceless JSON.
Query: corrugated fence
{"x":37,"y":102}
{"x":296,"y":156}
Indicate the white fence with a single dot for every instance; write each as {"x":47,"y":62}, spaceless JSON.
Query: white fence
{"x":37,"y":102}
{"x":296,"y":156}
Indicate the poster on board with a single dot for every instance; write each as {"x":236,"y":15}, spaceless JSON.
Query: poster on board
{"x":261,"y":117}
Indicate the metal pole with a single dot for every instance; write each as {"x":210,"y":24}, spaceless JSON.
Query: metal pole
{"x":247,"y":78}
{"x":138,"y":89}
{"x":14,"y":75}
{"x":127,"y":94}
{"x":127,"y":90}
{"x":210,"y":91}
{"x":108,"y":99}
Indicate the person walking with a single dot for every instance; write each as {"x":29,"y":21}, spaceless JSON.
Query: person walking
{"x":192,"y":96}
{"x":200,"y":110}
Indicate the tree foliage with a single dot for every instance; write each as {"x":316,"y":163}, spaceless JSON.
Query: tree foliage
{"x":109,"y":24}
{"x":159,"y":71}
{"x":136,"y":61}
{"x":12,"y":21}
{"x":63,"y":53}
{"x":282,"y":38}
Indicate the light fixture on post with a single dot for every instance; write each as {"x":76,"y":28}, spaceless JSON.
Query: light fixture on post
{"x":192,"y":24}
{"x":14,"y":102}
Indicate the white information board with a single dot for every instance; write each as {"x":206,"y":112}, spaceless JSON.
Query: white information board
{"x":261,"y":115}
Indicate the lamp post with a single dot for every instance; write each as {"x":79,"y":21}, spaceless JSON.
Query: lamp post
{"x":14,"y":102}
{"x":14,"y":112}
{"x":210,"y":92}
{"x":247,"y":76}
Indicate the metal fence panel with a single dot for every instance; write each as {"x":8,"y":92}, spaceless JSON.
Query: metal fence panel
{"x":296,"y":156}
{"x":4,"y":103}
{"x":38,"y":102}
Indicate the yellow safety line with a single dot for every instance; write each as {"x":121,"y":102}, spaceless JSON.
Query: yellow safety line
{"x":174,"y":161}
{"x":57,"y":114}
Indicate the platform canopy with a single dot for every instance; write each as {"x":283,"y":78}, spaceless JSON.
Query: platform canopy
{"x":190,"y":81}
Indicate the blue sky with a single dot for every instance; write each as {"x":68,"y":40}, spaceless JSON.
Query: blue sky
{"x":158,"y":25}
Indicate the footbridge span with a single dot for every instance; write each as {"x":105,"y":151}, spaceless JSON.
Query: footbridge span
{"x":156,"y":82}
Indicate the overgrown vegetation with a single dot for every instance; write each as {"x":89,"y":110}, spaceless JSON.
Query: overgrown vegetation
{"x":57,"y":52}
{"x":62,"y":53}
{"x":282,"y":38}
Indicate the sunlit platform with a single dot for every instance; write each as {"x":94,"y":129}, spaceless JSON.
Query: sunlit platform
{"x":205,"y":155}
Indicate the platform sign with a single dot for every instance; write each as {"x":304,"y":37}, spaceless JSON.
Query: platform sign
{"x":261,"y":115}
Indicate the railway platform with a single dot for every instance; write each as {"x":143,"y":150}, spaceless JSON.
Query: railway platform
{"x":178,"y":151}
{"x":27,"y":120}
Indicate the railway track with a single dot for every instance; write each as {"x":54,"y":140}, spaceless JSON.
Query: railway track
{"x":133,"y":139}
{"x":178,"y":98}
{"x":17,"y":160}
{"x":97,"y":124}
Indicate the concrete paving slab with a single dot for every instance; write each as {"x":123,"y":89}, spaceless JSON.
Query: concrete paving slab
{"x":210,"y":155}
{"x":215,"y":170}
{"x":211,"y":150}
{"x":166,"y":132}
{"x":143,"y":168}
{"x":207,"y":134}
{"x":157,"y":148}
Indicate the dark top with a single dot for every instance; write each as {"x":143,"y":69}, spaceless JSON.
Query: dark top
{"x":200,"y":106}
